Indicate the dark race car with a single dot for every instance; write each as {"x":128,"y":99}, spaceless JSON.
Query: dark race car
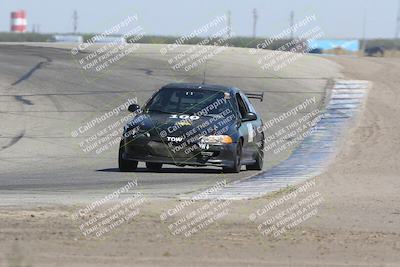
{"x":195,"y":125}
{"x":375,"y":50}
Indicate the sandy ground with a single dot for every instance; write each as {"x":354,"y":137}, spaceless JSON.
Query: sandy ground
{"x":357,"y":224}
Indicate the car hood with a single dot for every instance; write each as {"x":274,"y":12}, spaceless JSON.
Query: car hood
{"x":173,"y":125}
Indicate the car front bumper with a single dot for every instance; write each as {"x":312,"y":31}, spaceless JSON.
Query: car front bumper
{"x":147,"y":150}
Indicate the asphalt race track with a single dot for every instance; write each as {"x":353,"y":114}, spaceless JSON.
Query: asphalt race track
{"x":45,"y":95}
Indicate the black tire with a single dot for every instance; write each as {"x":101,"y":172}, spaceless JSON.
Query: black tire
{"x":258,"y":165}
{"x":125,"y":165}
{"x":152,"y":166}
{"x":237,"y":163}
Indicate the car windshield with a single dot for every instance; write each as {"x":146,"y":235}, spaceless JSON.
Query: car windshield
{"x":189,"y":101}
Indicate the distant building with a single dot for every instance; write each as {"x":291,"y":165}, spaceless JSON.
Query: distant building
{"x":67,"y":39}
{"x":110,"y":39}
{"x":334,"y":46}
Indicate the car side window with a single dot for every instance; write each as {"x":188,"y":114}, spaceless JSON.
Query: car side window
{"x":242,"y":105}
{"x":250,"y":107}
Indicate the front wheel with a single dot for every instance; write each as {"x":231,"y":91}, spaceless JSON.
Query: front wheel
{"x":237,"y":163}
{"x":258,"y":165}
{"x":152,"y":166}
{"x":125,"y":165}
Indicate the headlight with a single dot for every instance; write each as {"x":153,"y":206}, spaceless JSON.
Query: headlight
{"x":217,"y":139}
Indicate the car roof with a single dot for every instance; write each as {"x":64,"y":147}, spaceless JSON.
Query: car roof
{"x":194,"y":86}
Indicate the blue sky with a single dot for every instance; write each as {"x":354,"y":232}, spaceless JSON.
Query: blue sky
{"x":337,"y":18}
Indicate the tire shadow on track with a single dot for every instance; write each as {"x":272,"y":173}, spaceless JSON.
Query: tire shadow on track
{"x":167,"y":170}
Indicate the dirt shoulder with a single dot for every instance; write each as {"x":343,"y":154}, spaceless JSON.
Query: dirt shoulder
{"x":357,"y":224}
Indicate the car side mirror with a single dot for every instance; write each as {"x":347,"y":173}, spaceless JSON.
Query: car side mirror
{"x":250,"y":116}
{"x":133,"y":107}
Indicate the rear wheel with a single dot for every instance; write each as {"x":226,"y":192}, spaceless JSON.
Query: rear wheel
{"x":125,"y":165}
{"x":152,"y":166}
{"x":237,"y":164}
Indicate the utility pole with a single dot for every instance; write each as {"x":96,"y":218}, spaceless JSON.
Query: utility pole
{"x":229,"y":24}
{"x":398,"y":23}
{"x":291,"y":25}
{"x":75,"y":20}
{"x":35,"y":28}
{"x":364,"y":30}
{"x":255,"y":18}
